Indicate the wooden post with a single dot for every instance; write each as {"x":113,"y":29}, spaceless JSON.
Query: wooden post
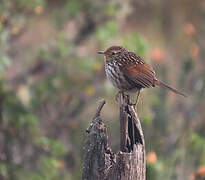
{"x":100,"y":163}
{"x":123,"y":124}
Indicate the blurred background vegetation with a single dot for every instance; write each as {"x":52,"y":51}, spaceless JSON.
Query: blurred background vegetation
{"x":51,"y":79}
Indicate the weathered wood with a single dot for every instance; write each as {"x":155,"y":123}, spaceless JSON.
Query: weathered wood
{"x":95,"y":146}
{"x":123,"y":124}
{"x":100,"y":163}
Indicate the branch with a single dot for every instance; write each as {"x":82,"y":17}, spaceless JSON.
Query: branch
{"x":100,"y":106}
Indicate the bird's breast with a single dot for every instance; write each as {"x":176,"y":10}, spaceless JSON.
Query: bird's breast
{"x":116,"y":76}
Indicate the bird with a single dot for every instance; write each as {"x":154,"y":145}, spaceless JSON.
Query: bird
{"x":130,"y":73}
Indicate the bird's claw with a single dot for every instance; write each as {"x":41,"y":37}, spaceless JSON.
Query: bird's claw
{"x":117,"y":96}
{"x":133,"y":104}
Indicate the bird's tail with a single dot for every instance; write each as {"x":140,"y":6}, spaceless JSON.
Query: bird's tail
{"x":164,"y":85}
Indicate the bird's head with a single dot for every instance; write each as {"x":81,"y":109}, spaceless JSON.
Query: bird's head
{"x":112,"y":52}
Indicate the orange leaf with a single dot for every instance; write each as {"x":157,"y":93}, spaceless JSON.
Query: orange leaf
{"x":157,"y":55}
{"x":15,"y":30}
{"x":190,"y":29}
{"x":194,"y":51}
{"x":198,"y":174}
{"x":2,"y":19}
{"x":90,"y":90}
{"x":38,"y":10}
{"x":201,"y":171}
{"x":61,"y":164}
{"x":151,"y":157}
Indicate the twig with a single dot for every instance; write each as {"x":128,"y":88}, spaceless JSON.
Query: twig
{"x":99,"y":108}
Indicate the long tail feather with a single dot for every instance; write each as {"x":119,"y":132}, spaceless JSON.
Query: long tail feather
{"x":164,"y":85}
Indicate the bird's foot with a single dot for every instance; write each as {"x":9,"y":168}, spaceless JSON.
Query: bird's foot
{"x":135,"y":104}
{"x":117,"y":96}
{"x":132,"y":104}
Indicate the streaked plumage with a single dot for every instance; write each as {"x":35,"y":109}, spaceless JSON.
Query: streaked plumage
{"x":129,"y":72}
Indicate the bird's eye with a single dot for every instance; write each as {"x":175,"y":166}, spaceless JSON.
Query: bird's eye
{"x":113,"y":53}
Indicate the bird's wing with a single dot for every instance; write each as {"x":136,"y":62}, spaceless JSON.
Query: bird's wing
{"x":139,"y":73}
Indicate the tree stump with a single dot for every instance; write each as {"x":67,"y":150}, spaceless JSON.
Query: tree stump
{"x":100,"y":163}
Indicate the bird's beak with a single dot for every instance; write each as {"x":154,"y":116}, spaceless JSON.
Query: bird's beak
{"x":101,"y":52}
